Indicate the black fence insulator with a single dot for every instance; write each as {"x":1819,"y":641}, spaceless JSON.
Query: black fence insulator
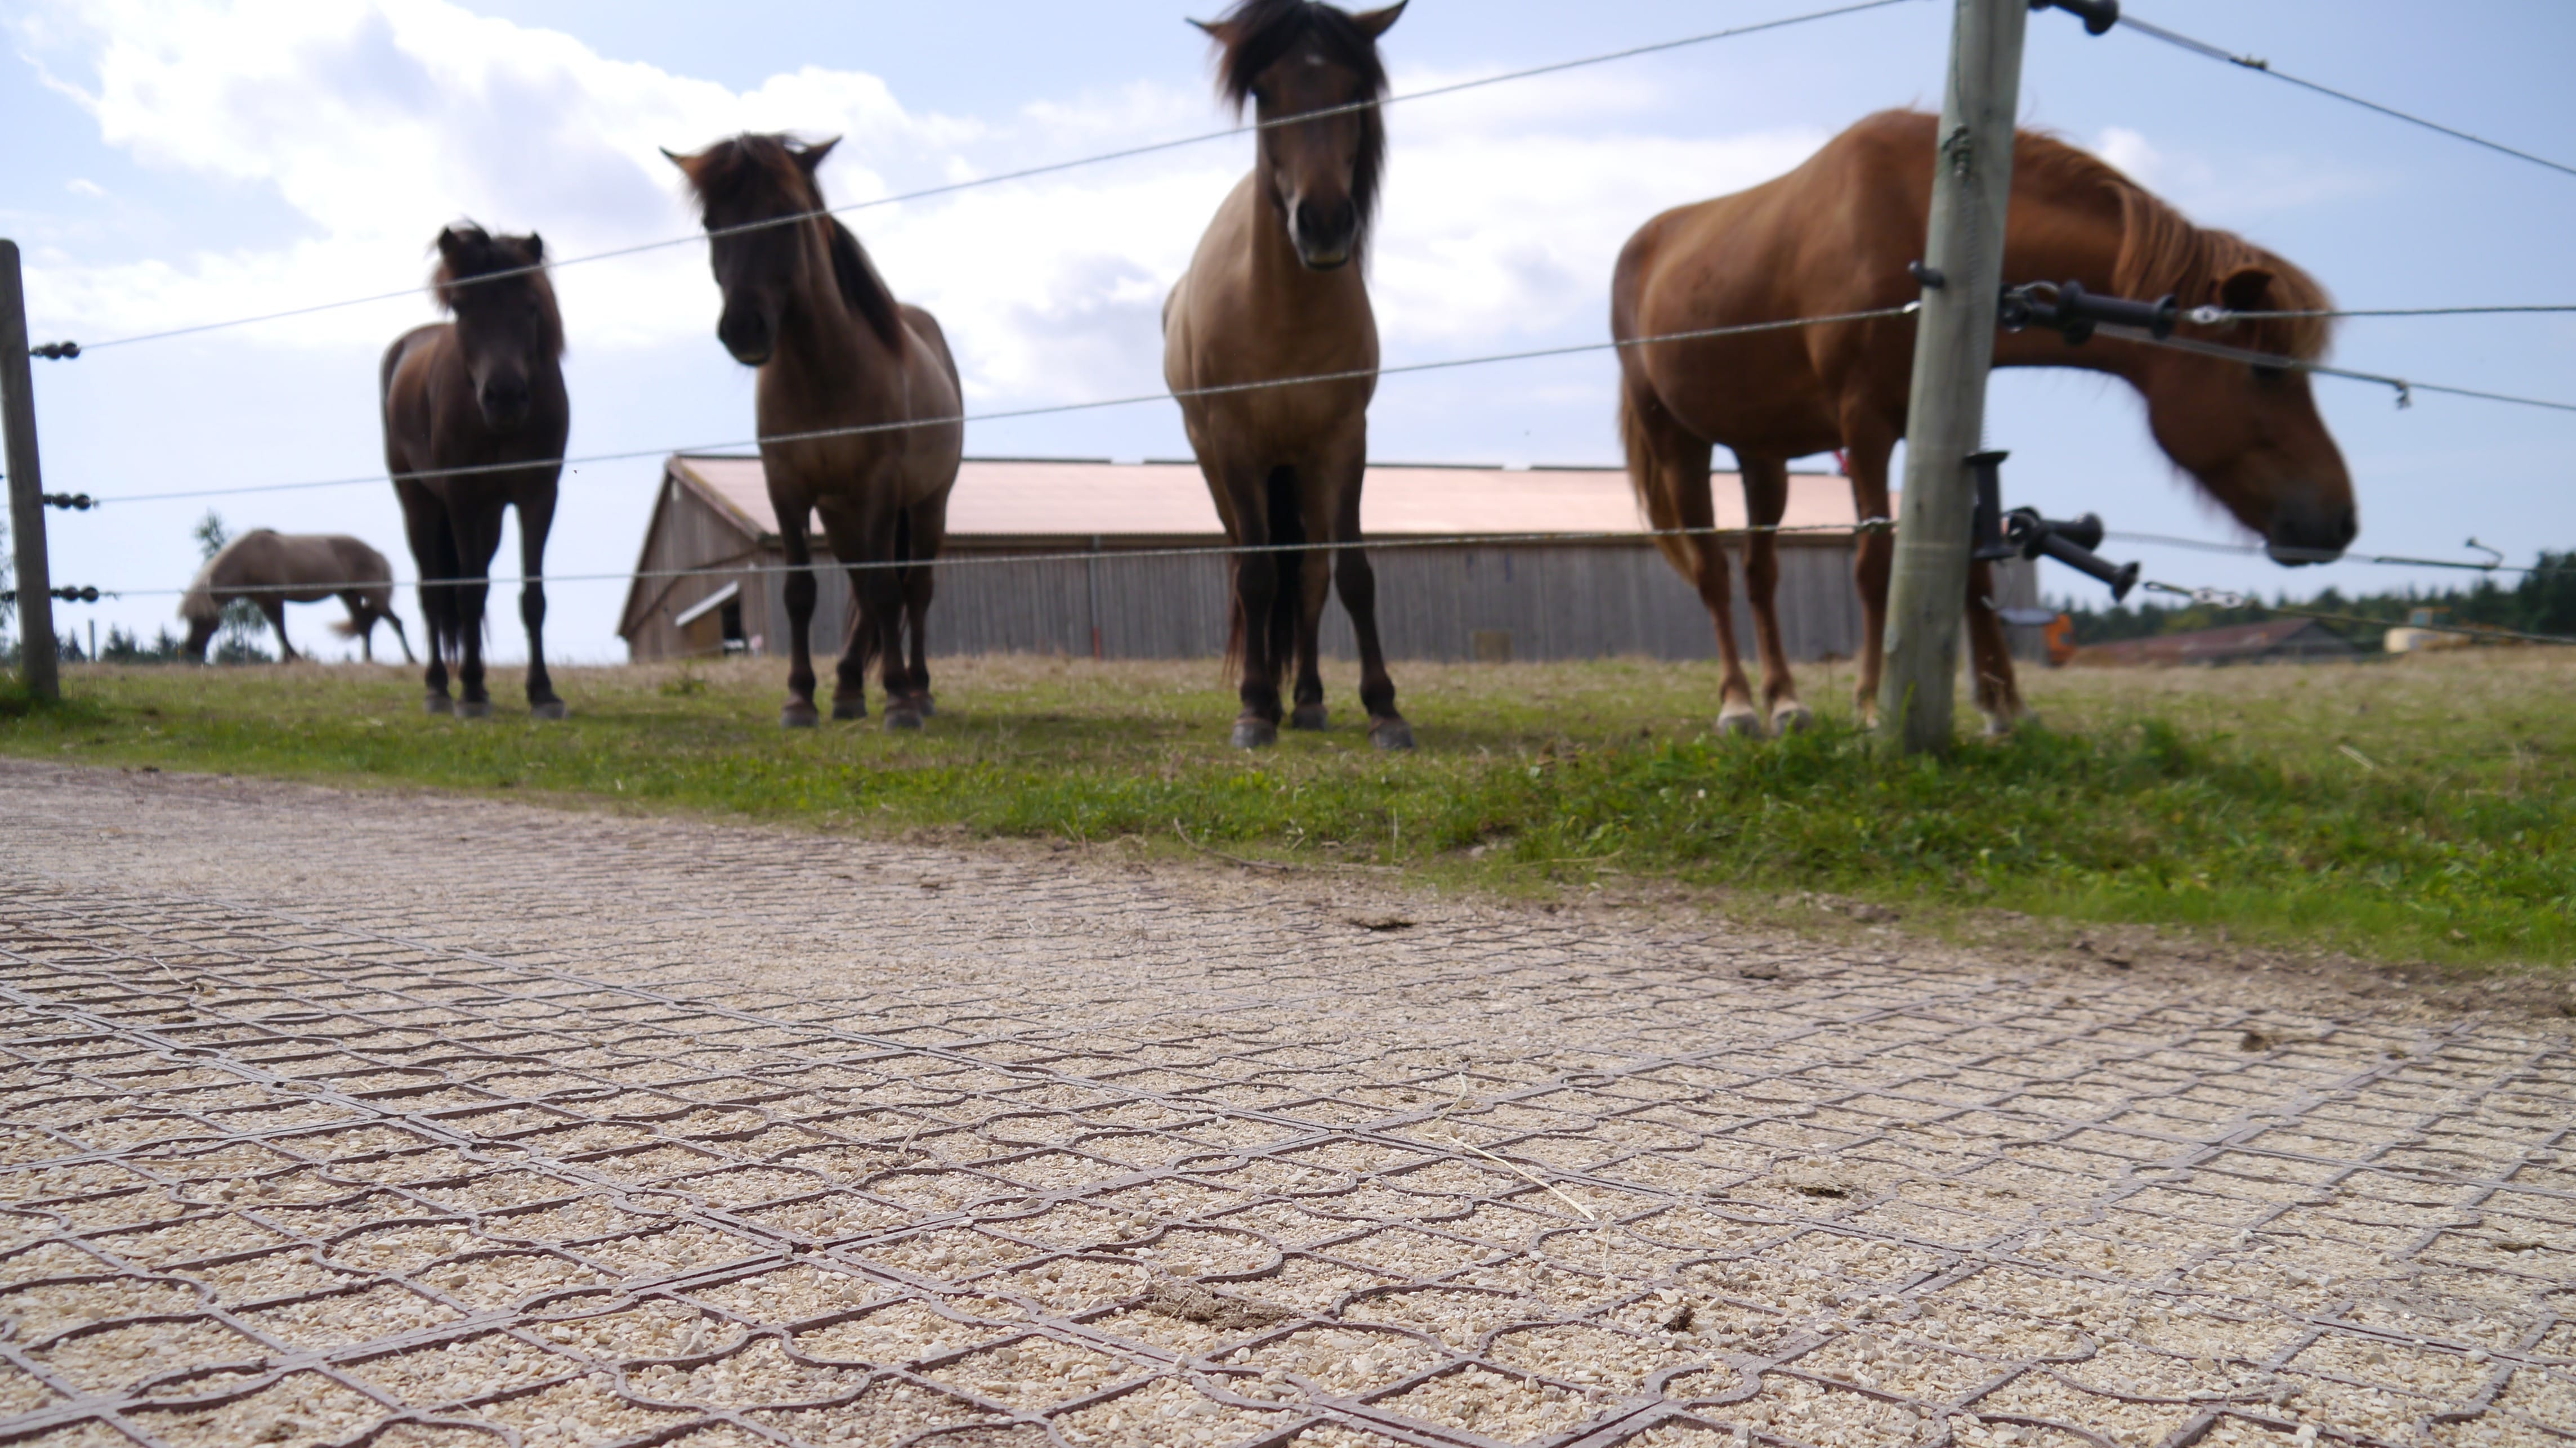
{"x":2098,"y":15}
{"x":1986,"y":528}
{"x":2072,"y":312}
{"x":67,"y":595}
{"x":1929,"y":276}
{"x":71,"y":502}
{"x":2071,"y":543}
{"x":55,"y":351}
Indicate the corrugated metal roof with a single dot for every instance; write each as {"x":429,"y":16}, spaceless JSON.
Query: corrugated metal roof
{"x":1021,"y":498}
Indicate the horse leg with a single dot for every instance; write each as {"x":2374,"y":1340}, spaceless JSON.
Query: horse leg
{"x":1256,"y":595}
{"x":878,"y":592}
{"x":1766,"y":498}
{"x":536,"y":520}
{"x":1867,"y":444}
{"x":1312,"y":575}
{"x":1990,"y":653}
{"x":1357,"y":582}
{"x":919,"y":582}
{"x":274,"y":605}
{"x":433,"y":552}
{"x":362,"y":624}
{"x":799,"y":711}
{"x":478,"y":539}
{"x":1681,"y":460}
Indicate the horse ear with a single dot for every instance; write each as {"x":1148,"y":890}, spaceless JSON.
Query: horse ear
{"x":1220,"y":31}
{"x":449,"y":243}
{"x":2245,"y":289}
{"x":688,"y":164}
{"x":811,"y":157}
{"x":1374,"y":23}
{"x":536,"y":248}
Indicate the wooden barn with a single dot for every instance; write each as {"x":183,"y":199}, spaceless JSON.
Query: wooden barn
{"x":1058,"y":557}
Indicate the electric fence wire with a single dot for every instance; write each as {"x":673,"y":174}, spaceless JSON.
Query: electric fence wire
{"x":1048,"y":410}
{"x":2214,"y":52}
{"x":1026,"y":173}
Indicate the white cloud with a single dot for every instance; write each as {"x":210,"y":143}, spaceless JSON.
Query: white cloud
{"x":378,"y":121}
{"x":82,"y":186}
{"x":2250,"y":186}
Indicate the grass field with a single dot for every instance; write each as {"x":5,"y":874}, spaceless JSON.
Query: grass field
{"x":2405,"y":811}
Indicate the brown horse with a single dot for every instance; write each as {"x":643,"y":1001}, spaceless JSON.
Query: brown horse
{"x":274,"y":569}
{"x":483,"y":392}
{"x":1273,"y":293}
{"x":835,"y":349}
{"x":1835,"y":236}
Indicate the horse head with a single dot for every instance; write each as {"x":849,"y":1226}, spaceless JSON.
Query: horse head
{"x":1293,"y":58}
{"x":758,"y":195}
{"x":2250,"y":434}
{"x":507,"y":325}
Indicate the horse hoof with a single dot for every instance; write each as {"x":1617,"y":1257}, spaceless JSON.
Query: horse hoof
{"x":474,"y":709}
{"x":1255,"y":733}
{"x":2002,"y":726}
{"x":846,"y":710}
{"x":900,"y":720}
{"x":1390,"y":733}
{"x":1791,"y":719}
{"x":799,"y":714}
{"x":549,"y":709}
{"x":439,"y":704}
{"x":1310,"y":716}
{"x":1743,"y":723}
{"x":927,"y":706}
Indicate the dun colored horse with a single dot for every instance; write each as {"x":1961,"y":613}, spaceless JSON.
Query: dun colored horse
{"x":274,"y":569}
{"x":484,"y":392}
{"x":835,"y":350}
{"x":1835,"y":236}
{"x":1273,"y":293}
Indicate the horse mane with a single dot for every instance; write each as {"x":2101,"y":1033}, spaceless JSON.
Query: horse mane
{"x":2162,"y":251}
{"x":755,"y":166}
{"x":505,"y":259}
{"x":1256,"y":33}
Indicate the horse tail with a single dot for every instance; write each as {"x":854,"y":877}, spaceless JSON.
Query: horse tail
{"x":441,"y":615}
{"x":1654,"y":498}
{"x":1287,"y":529}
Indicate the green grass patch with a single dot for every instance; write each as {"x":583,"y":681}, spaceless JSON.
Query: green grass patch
{"x":2414,"y":811}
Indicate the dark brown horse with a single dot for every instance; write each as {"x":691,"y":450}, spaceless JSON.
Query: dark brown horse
{"x":1273,"y":293}
{"x":485,"y":391}
{"x":1835,"y":236}
{"x":835,"y":349}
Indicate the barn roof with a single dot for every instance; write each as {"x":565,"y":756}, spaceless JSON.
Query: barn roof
{"x":2280,"y":638}
{"x":1038,"y":499}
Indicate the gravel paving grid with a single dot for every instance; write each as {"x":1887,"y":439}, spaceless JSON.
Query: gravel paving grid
{"x":406,"y":1120}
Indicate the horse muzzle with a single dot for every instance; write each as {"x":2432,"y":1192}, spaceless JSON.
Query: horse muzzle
{"x":1324,"y":235}
{"x":748,"y":337}
{"x":505,"y":404}
{"x":2303,"y":535}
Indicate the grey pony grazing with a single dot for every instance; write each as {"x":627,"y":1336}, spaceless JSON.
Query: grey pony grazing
{"x":274,"y":569}
{"x":475,"y":421}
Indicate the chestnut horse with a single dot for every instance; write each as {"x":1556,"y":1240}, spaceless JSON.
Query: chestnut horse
{"x":1272,"y":293}
{"x":803,"y":303}
{"x":484,"y":392}
{"x":1835,"y":236}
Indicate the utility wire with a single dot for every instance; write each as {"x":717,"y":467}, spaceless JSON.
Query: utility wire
{"x":2220,"y":316}
{"x":1053,"y":409}
{"x":2214,"y":545}
{"x":2248,"y":62}
{"x":1028,"y":172}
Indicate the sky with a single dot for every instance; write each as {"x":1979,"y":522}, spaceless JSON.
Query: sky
{"x":174,"y":162}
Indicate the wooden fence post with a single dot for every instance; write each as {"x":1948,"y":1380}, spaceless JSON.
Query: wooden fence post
{"x":37,"y":664}
{"x":1954,"y":348}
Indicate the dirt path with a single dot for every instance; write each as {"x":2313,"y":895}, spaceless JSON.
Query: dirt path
{"x":330,"y":1115}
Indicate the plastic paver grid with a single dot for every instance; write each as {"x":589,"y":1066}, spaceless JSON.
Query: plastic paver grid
{"x":269,"y":1179}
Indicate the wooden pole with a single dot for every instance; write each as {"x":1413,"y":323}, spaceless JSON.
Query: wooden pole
{"x":1954,"y":348}
{"x":36,"y":661}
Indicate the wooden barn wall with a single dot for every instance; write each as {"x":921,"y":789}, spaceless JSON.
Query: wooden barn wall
{"x":1554,"y":602}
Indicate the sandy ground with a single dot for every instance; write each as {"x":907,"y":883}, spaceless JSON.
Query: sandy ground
{"x":339,"y":1117}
